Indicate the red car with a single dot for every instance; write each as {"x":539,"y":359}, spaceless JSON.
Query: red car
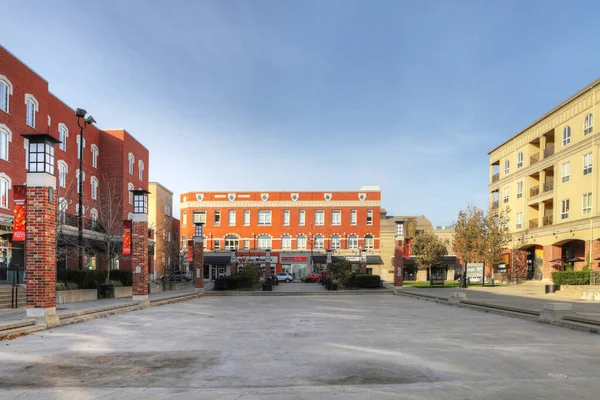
{"x":313,"y":276}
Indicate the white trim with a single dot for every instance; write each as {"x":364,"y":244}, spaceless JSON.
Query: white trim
{"x":63,"y":144}
{"x":59,"y":164}
{"x":36,"y":108}
{"x":94,"y":180}
{"x":131,"y":163}
{"x":8,"y":140}
{"x":9,"y":85}
{"x":97,"y":155}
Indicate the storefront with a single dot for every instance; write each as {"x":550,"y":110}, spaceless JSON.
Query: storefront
{"x":296,"y":265}
{"x":219,"y":264}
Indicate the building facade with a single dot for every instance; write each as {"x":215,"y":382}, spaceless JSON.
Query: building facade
{"x":166,"y":230}
{"x":28,"y":107}
{"x":297,"y":226}
{"x":545,"y":181}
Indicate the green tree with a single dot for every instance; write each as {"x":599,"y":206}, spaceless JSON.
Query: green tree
{"x":496,"y":237}
{"x":341,"y":271}
{"x":429,"y":250}
{"x":253,"y":272}
{"x":468,"y":236}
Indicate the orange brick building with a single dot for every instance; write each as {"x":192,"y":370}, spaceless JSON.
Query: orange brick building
{"x":297,"y":226}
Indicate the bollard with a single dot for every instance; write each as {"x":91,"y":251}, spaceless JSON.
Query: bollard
{"x":553,"y":312}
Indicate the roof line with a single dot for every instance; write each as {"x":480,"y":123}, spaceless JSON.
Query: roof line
{"x":25,"y":64}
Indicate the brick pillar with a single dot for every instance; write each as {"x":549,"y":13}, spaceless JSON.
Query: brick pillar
{"x":267,"y":269}
{"x":40,"y":248}
{"x":139,"y":257}
{"x":399,"y":264}
{"x":198,"y":264}
{"x":551,"y":253}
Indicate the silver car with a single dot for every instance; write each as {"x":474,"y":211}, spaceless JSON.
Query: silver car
{"x":284,"y":277}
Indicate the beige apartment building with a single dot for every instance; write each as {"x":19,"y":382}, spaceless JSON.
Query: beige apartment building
{"x":165,"y":227}
{"x":545,"y":178}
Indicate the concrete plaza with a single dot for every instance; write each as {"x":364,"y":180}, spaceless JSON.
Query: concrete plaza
{"x":356,"y":347}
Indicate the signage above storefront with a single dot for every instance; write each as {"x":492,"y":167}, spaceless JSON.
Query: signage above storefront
{"x":257,"y":259}
{"x":296,"y":258}
{"x":353,"y":259}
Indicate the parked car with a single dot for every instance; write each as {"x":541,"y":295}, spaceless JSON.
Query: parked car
{"x":284,"y":277}
{"x":273,"y":277}
{"x":313,"y":276}
{"x":177,"y":276}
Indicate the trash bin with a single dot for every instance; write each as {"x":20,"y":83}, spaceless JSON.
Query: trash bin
{"x":552,"y":288}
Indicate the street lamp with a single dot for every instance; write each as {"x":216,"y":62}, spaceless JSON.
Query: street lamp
{"x":80,"y":114}
{"x":140,"y":201}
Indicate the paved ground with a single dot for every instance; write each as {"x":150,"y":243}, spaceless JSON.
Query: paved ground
{"x":355,"y":347}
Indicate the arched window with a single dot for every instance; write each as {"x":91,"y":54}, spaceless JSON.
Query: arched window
{"x":566,"y":138}
{"x":79,"y":147}
{"x":231,"y":242}
{"x":336,"y":242}
{"x":131,"y":163}
{"x":6,"y":89}
{"x":5,"y":185}
{"x":369,"y":242}
{"x":5,"y":139}
{"x":506,"y":167}
{"x":94,"y":182}
{"x":130,"y":187}
{"x":141,"y":170}
{"x":264,"y":242}
{"x":319,"y":242}
{"x":62,"y":210}
{"x":520,"y":159}
{"x":77,"y":209}
{"x":353,"y":242}
{"x":32,"y":107}
{"x":588,"y":124}
{"x":286,"y":242}
{"x":301,"y":242}
{"x":95,"y":154}
{"x":63,"y":134}
{"x":94,"y":218}
{"x":63,"y":170}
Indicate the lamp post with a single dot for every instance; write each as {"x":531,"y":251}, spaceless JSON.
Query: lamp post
{"x":329,"y":263}
{"x":363,"y":261}
{"x":233,"y":261}
{"x":83,"y":122}
{"x":267,"y":264}
{"x":311,"y":242}
{"x":198,"y":256}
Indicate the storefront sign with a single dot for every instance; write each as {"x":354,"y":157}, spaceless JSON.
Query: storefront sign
{"x":127,"y":237}
{"x":19,"y":213}
{"x":190,"y":250}
{"x":502,"y":268}
{"x":475,"y":271}
{"x":257,"y":259}
{"x":353,"y":259}
{"x":298,"y":258}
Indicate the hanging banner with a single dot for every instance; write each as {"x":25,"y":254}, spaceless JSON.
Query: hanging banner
{"x":407,"y":249}
{"x":19,"y":213}
{"x":190,"y":249}
{"x":126,"y":237}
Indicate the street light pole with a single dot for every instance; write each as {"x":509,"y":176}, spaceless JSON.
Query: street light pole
{"x":80,"y":113}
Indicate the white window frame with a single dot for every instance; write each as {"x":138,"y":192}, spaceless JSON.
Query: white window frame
{"x":564,"y":209}
{"x":232,"y":242}
{"x":519,"y":190}
{"x":565,"y":171}
{"x":353,"y":217}
{"x":336,"y":217}
{"x":63,"y":171}
{"x":130,"y":187}
{"x":264,"y":217}
{"x":400,"y":228}
{"x":95,"y":154}
{"x":184,"y":218}
{"x":79,"y":148}
{"x":286,"y":242}
{"x":32,"y":106}
{"x":353,"y":242}
{"x":246,"y":217}
{"x":506,"y":167}
{"x":264,"y":242}
{"x":301,"y":218}
{"x":586,"y":204}
{"x":131,"y":159}
{"x":336,"y":242}
{"x":301,"y":242}
{"x":94,"y":183}
{"x":217,"y":218}
{"x":5,"y":97}
{"x":566,"y":136}
{"x":520,"y":159}
{"x":319,"y":217}
{"x":519,"y":220}
{"x":587,"y":163}
{"x":199,"y":216}
{"x":246,"y":244}
{"x":231,"y":216}
{"x":5,"y":140}
{"x":216,"y":244}
{"x":369,"y":242}
{"x":140,"y":170}
{"x":319,"y":242}
{"x":5,"y":186}
{"x":63,"y":206}
{"x":588,"y":124}
{"x":369,"y":217}
{"x":506,"y":194}
{"x":286,"y":217}
{"x":63,"y":135}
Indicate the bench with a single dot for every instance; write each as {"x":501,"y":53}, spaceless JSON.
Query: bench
{"x":436,"y":282}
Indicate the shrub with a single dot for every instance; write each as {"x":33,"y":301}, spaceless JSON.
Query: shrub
{"x":123,"y":276}
{"x":220,"y":284}
{"x":342,"y":271}
{"x":253,"y":272}
{"x":367,"y":281}
{"x":84,"y":279}
{"x":237,"y":281}
{"x":115,"y":283}
{"x":571,"y":277}
{"x":66,"y":286}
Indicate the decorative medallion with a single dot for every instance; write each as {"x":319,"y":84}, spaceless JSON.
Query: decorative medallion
{"x":295,"y":196}
{"x":362,"y":196}
{"x":327,"y":196}
{"x":200,"y":197}
{"x":231,"y":196}
{"x":264,"y":196}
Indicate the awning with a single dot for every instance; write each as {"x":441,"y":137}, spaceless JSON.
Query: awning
{"x":214,"y":259}
{"x":321,"y":259}
{"x":374,"y":260}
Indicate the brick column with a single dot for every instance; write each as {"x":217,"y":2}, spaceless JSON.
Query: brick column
{"x":233,"y":268}
{"x":198,"y":264}
{"x":139,"y":257}
{"x":40,"y":248}
{"x":399,"y":264}
{"x":551,"y":253}
{"x":267,"y":269}
{"x":595,"y":253}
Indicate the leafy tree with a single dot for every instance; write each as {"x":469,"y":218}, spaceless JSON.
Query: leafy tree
{"x":496,"y":237}
{"x":341,"y":271}
{"x":253,"y":272}
{"x":468,"y":236}
{"x":429,"y":250}
{"x":519,"y":266}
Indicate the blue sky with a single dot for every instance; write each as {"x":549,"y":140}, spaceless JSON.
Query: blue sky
{"x":323,"y":95}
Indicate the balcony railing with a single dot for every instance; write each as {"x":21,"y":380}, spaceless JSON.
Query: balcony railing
{"x":534,"y":158}
{"x":495,"y":205}
{"x":549,"y":150}
{"x":548,"y":186}
{"x":534,"y":191}
{"x":534,"y":223}
{"x":496,"y":177}
{"x":548,"y":220}
{"x":73,"y":220}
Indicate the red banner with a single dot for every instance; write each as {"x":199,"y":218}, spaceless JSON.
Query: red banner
{"x":407,"y":248}
{"x":126,"y":237}
{"x":190,"y":249}
{"x":20,"y":192}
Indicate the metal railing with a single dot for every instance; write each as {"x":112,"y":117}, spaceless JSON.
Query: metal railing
{"x":534,"y":223}
{"x":534,"y":158}
{"x":548,"y":151}
{"x":548,"y":186}
{"x":548,"y":220}
{"x":496,"y":177}
{"x":534,"y":191}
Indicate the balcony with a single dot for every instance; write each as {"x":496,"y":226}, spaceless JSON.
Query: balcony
{"x":548,"y":151}
{"x":533,"y":223}
{"x":534,"y":191}
{"x":534,"y":158}
{"x":496,"y":177}
{"x":548,"y":186}
{"x":495,"y":205}
{"x":548,"y":220}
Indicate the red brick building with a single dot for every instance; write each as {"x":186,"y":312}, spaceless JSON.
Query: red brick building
{"x":113,"y":162}
{"x":297,"y":226}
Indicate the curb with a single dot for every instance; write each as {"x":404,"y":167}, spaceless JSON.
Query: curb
{"x":325,"y":293}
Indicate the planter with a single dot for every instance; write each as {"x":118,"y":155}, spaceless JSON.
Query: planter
{"x":75,"y":296}
{"x":123,"y":291}
{"x":267,"y":287}
{"x":177,"y":285}
{"x":552,"y":288}
{"x":155,"y":287}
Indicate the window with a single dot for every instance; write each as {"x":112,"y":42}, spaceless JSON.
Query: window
{"x":564,"y":213}
{"x":246,"y":244}
{"x":31,"y":106}
{"x":565,"y":171}
{"x":286,"y":242}
{"x":94,"y":182}
{"x":130,"y":187}
{"x":5,"y":138}
{"x":353,"y":218}
{"x":26,"y":145}
{"x":588,"y":124}
{"x":353,"y":242}
{"x":184,"y":218}
{"x":5,"y":184}
{"x":140,"y":170}
{"x":520,"y":159}
{"x":231,"y":242}
{"x":336,"y":243}
{"x":369,"y":242}
{"x":231,"y":218}
{"x":301,"y":218}
{"x":94,"y":217}
{"x":519,"y":189}
{"x":336,"y":217}
{"x":199,"y":216}
{"x":217,"y":218}
{"x":519,"y":220}
{"x":63,"y":168}
{"x":246,"y":217}
{"x":217,"y":244}
{"x":6,"y":89}
{"x":301,"y":242}
{"x":566,"y":136}
{"x":400,"y":228}
{"x":264,"y":217}
{"x":587,"y":164}
{"x":319,"y":217}
{"x":83,"y":180}
{"x":506,"y":167}
{"x":286,"y":217}
{"x":63,"y":134}
{"x":264,"y":242}
{"x":167,"y":208}
{"x":587,"y":204}
{"x":95,"y":153}
{"x":369,"y":217}
{"x":506,"y":195}
{"x":79,"y":147}
{"x":131,"y":163}
{"x":319,"y":242}
{"x":62,"y":210}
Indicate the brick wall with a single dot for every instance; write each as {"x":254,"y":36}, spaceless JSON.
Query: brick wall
{"x":139,"y":239}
